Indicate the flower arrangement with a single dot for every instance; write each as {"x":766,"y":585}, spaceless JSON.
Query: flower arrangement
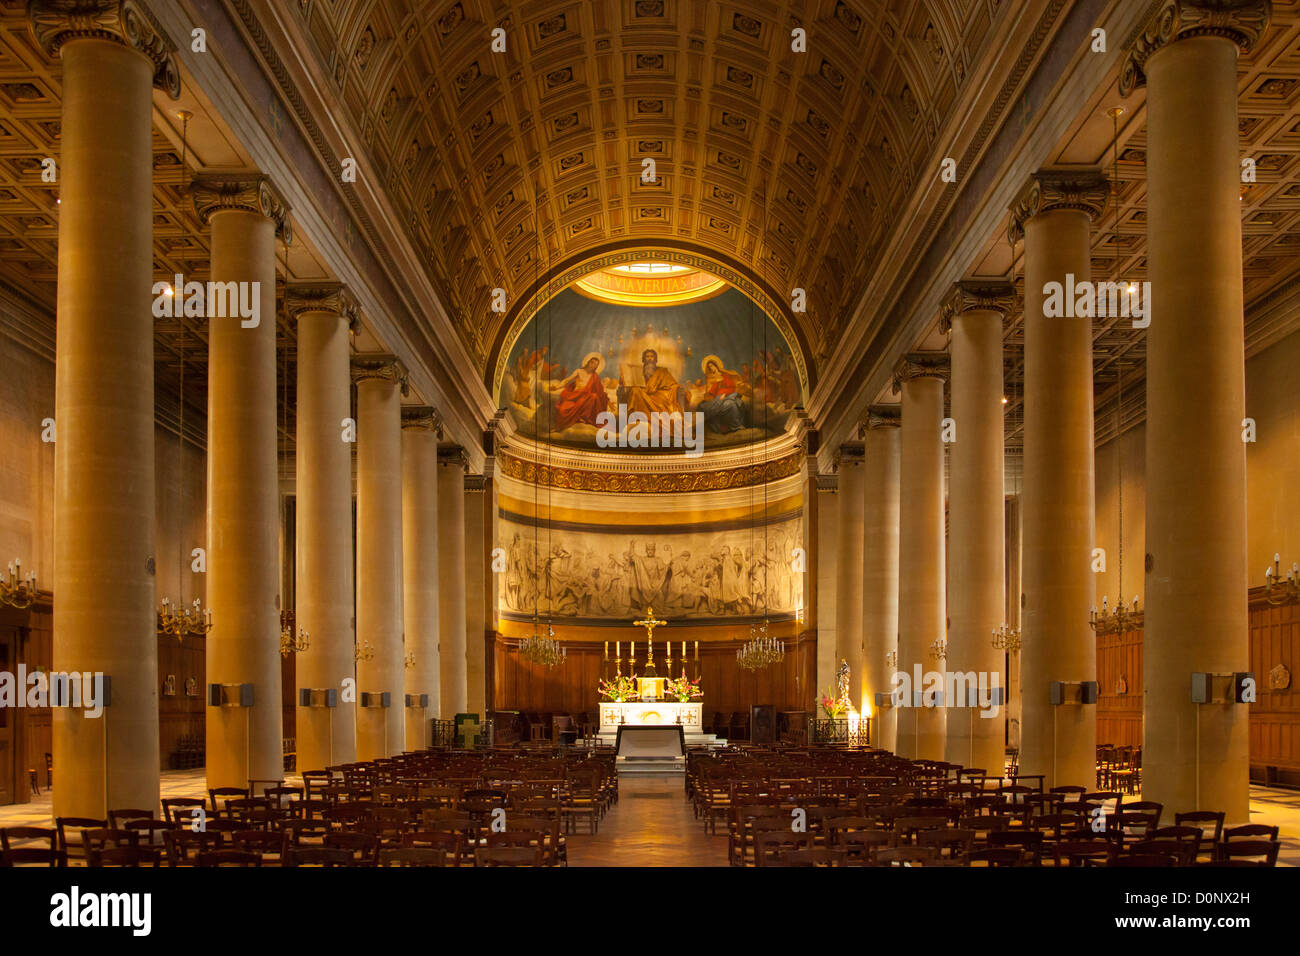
{"x":832,"y":704}
{"x":684,"y":689}
{"x":619,"y":689}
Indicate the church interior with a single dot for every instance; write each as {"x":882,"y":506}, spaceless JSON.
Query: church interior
{"x":779,"y":433}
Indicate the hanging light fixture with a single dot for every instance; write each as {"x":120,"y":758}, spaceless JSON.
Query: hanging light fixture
{"x":18,"y":591}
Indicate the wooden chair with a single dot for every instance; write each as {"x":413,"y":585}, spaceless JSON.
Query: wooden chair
{"x":508,"y":856}
{"x":907,"y":856}
{"x":412,"y":856}
{"x":118,"y":818}
{"x":1083,"y":852}
{"x":1028,"y":842}
{"x":811,"y":856}
{"x":995,"y":856}
{"x":364,"y":847}
{"x":450,"y":845}
{"x":956,"y":842}
{"x":76,"y":826}
{"x":183,"y":846}
{"x":26,"y":834}
{"x":1200,"y":819}
{"x":219,"y":796}
{"x":1248,"y":853}
{"x":320,"y":856}
{"x":35,"y":856}
{"x":212,"y":858}
{"x":181,"y":809}
{"x":127,"y":856}
{"x":264,"y":843}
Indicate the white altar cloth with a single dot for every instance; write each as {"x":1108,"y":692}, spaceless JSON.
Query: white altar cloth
{"x":689,"y":715}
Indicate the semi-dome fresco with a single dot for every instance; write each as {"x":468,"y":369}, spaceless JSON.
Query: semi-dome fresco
{"x":698,"y":349}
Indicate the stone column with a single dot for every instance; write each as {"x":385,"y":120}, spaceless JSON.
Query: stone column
{"x":848,"y":564}
{"x":920,"y":376}
{"x":325,"y":601}
{"x":1195,"y":756}
{"x":826,"y":507}
{"x":880,"y":519}
{"x":1052,"y":215}
{"x":421,"y":429}
{"x":974,"y":314}
{"x":381,"y":381}
{"x":477,"y":580}
{"x":104,"y":498}
{"x":451,"y":571}
{"x":243,"y":647}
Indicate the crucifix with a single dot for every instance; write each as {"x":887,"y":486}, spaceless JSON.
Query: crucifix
{"x":650,"y":623}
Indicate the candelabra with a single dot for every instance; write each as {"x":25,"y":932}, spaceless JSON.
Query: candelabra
{"x":408,"y":661}
{"x":1119,"y":620}
{"x":365,"y":652}
{"x":18,"y":591}
{"x":939,"y":649}
{"x":1278,"y":590}
{"x":1006,"y":638}
{"x":543,"y":650}
{"x":289,"y":642}
{"x":891,"y":659}
{"x":190,"y":622}
{"x":761,"y":651}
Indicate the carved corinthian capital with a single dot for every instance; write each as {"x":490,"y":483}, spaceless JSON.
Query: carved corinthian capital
{"x":332,"y":297}
{"x":377,"y":366}
{"x":915,"y":365}
{"x":422,"y":418}
{"x":977,"y":295}
{"x":881,"y":416}
{"x":1085,"y":190}
{"x":55,"y":22}
{"x":1241,"y":21}
{"x":250,"y":192}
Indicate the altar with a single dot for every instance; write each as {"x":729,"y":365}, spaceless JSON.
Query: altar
{"x":689,"y":715}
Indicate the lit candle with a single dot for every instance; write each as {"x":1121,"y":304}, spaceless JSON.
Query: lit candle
{"x":606,"y":652}
{"x":683,"y":648}
{"x":697,"y":650}
{"x":632,"y":653}
{"x":618,"y":649}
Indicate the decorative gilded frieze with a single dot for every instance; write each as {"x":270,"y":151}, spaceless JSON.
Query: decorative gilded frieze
{"x":379,"y":366}
{"x":915,"y":365}
{"x":651,"y":482}
{"x":332,"y":297}
{"x":251,"y":192}
{"x":56,"y":22}
{"x":1085,"y":190}
{"x":422,"y":418}
{"x":977,"y":295}
{"x":1241,"y":21}
{"x":881,"y":416}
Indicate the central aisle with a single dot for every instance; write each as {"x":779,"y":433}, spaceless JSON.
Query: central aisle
{"x":651,"y":825}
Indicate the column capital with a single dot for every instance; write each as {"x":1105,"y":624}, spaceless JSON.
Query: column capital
{"x":380,"y":366}
{"x":452,"y":455}
{"x":1241,"y":21}
{"x":916,"y":365}
{"x":1083,"y":189}
{"x":475,"y":484}
{"x":881,"y":416}
{"x":852,"y":452}
{"x":250,"y":192}
{"x":977,"y":295}
{"x":421,"y":418}
{"x":56,"y":22}
{"x":333,"y":297}
{"x":828,"y":484}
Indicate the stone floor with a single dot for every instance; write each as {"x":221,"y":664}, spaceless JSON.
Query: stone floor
{"x":652,"y":823}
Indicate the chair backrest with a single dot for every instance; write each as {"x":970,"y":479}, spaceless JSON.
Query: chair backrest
{"x":116,"y":818}
{"x":229,"y":858}
{"x":34,"y":855}
{"x":508,"y":856}
{"x":412,"y":856}
{"x":995,"y":856}
{"x":10,"y":835}
{"x":1250,"y":831}
{"x":320,"y":856}
{"x":77,"y":826}
{"x":1250,"y":852}
{"x":907,"y":856}
{"x":1199,"y":818}
{"x":132,"y":856}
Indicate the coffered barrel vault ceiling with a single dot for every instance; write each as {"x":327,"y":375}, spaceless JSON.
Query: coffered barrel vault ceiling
{"x":507,"y":165}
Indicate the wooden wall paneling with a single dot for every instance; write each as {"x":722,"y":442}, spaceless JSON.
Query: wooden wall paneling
{"x":1275,"y":715}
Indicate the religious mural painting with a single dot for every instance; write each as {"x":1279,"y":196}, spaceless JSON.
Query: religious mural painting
{"x":582,"y":368}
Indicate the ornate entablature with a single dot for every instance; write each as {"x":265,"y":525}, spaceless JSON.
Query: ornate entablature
{"x":422,"y":418}
{"x":332,"y":297}
{"x":251,"y":192}
{"x":977,"y":295}
{"x":882,"y":416}
{"x":1085,"y":190}
{"x":552,"y":476}
{"x":452,"y":455}
{"x":1241,"y":21}
{"x":916,"y":365}
{"x":56,"y":22}
{"x":380,"y":367}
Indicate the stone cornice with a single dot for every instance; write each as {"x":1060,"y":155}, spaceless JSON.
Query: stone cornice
{"x":1241,"y":21}
{"x":56,"y":22}
{"x":850,"y":452}
{"x":916,"y":365}
{"x":301,"y":298}
{"x":551,"y":476}
{"x":978,"y":295}
{"x":422,"y":418}
{"x":881,"y":416}
{"x":251,"y":192}
{"x":378,"y":366}
{"x":1085,"y":190}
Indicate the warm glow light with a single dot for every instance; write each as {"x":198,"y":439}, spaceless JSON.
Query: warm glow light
{"x":1004,"y":399}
